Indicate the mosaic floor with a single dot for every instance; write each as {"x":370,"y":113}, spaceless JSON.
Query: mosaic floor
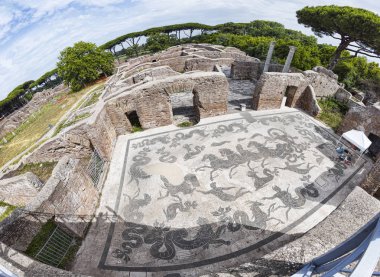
{"x":198,"y":196}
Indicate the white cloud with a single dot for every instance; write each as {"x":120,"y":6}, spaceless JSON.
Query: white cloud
{"x":33,"y":32}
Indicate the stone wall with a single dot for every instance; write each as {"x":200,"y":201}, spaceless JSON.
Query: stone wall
{"x":151,"y":101}
{"x":324,"y":82}
{"x":372,"y":183}
{"x":366,"y":119}
{"x":342,"y":95}
{"x":245,"y":70}
{"x":308,"y":102}
{"x":153,"y":107}
{"x":11,"y":122}
{"x":69,"y":192}
{"x":19,"y":229}
{"x":157,"y":73}
{"x":204,"y":64}
{"x":20,"y":190}
{"x":211,"y":92}
{"x":74,"y":142}
{"x":23,"y":266}
{"x":104,"y":131}
{"x":272,"y":87}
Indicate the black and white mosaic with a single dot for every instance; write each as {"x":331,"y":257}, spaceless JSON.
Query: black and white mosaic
{"x":197,"y":196}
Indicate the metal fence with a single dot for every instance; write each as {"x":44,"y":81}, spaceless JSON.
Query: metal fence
{"x":55,"y":248}
{"x":95,"y":168}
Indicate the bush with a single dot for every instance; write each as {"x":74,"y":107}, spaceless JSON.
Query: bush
{"x":332,"y":112}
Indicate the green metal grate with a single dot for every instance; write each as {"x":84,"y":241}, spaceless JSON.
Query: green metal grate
{"x":55,"y":248}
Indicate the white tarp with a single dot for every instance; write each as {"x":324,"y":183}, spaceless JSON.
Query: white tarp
{"x":357,"y":138}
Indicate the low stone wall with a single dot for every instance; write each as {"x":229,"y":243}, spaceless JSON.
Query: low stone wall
{"x":20,"y":190}
{"x":23,"y":266}
{"x":80,"y":141}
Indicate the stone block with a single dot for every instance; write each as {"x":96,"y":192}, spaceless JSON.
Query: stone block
{"x":20,"y":190}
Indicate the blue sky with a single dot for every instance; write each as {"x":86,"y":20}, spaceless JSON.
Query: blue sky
{"x":33,"y":32}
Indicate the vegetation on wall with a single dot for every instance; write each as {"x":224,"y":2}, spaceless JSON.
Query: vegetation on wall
{"x":8,"y":210}
{"x":332,"y":112}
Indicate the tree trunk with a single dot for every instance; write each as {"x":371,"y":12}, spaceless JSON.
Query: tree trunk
{"x":342,"y":46}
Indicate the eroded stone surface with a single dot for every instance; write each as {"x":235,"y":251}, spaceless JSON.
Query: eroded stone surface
{"x":20,"y":190}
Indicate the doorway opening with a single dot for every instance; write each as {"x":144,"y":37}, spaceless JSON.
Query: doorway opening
{"x":134,"y":120}
{"x":289,"y":94}
{"x":184,"y":113}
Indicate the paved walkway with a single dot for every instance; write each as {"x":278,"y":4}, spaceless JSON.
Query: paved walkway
{"x":228,"y":190}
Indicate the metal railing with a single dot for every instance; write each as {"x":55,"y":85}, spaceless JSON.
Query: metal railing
{"x":55,"y":248}
{"x":358,"y":256}
{"x":95,"y":168}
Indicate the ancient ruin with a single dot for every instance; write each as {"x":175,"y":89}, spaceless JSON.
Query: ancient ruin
{"x":254,"y":172}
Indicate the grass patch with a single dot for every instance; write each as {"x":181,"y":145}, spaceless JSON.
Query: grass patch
{"x":76,"y":119}
{"x":41,"y":170}
{"x":137,"y":128}
{"x":43,"y":235}
{"x":70,"y":255}
{"x":94,"y":98}
{"x":185,"y":124}
{"x":9,"y":209}
{"x":39,"y":240}
{"x":38,"y":123}
{"x":332,"y":112}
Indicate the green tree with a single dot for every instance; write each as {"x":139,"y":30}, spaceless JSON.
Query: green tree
{"x":357,"y":29}
{"x":83,"y":63}
{"x":159,"y":42}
